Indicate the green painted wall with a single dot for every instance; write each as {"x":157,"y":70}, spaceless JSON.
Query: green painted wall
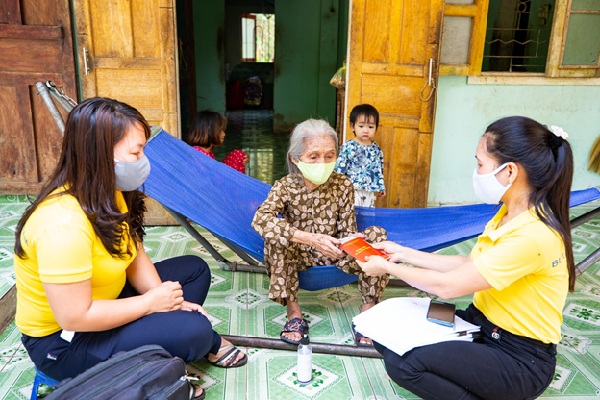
{"x":464,"y":111}
{"x":209,"y":22}
{"x":306,"y":57}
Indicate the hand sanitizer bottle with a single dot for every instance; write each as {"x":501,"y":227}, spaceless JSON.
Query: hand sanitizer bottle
{"x":304,"y":367}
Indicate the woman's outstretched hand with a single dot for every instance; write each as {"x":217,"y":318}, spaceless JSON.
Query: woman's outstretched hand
{"x":377,"y":266}
{"x":394,"y":250}
{"x":374,"y":266}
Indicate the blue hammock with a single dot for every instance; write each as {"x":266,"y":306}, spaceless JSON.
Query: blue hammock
{"x":223,"y":201}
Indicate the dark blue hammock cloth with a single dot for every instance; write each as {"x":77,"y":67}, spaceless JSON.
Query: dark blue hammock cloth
{"x":223,"y":201}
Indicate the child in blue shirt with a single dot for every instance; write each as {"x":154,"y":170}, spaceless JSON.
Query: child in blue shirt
{"x":361,"y":159}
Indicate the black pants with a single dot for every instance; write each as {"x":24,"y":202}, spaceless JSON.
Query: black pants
{"x":185,"y":334}
{"x":499,"y":365}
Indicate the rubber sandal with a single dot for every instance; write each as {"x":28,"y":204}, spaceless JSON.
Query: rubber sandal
{"x":358,"y":337}
{"x":228,"y":359}
{"x":201,"y":396}
{"x":296,"y":325}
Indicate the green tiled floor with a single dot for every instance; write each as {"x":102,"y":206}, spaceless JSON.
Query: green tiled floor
{"x":238,"y":305}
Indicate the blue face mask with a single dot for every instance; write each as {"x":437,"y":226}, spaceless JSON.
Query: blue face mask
{"x":131,"y":175}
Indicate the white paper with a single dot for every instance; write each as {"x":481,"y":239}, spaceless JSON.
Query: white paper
{"x":401,"y":324}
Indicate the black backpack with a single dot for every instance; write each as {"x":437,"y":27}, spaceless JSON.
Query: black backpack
{"x":148,"y":372}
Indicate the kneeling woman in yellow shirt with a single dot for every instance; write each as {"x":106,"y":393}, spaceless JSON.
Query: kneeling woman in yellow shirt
{"x":85,"y":287}
{"x":520,"y":271}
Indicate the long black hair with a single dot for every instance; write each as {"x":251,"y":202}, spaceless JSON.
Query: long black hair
{"x":86,"y":169}
{"x":548,"y":162}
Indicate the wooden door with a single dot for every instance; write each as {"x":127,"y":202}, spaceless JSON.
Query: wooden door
{"x":391,"y":45}
{"x":35,"y":45}
{"x":126,"y":51}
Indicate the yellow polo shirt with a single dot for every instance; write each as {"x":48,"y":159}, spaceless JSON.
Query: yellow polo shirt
{"x":524,"y":262}
{"x":61,"y":247}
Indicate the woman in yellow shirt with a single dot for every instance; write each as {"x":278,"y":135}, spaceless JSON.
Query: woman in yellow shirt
{"x":520,"y":271}
{"x":85,"y":287}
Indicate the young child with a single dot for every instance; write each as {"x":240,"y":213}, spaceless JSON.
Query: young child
{"x":361,"y":159}
{"x":208,"y":130}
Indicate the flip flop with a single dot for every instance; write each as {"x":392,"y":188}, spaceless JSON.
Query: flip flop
{"x":201,"y":396}
{"x":296,"y":325}
{"x":358,"y":337}
{"x":228,"y":360}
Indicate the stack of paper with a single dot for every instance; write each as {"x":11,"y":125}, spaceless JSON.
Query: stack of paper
{"x":401,"y":324}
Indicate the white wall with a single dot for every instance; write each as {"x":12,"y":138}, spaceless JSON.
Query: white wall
{"x":464,"y":111}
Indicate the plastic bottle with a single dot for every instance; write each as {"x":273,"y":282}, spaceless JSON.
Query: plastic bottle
{"x":304,"y":367}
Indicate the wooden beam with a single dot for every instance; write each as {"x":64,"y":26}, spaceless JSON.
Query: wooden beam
{"x":30,"y":32}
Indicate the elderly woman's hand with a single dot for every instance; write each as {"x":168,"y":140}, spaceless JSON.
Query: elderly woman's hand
{"x":325,"y":244}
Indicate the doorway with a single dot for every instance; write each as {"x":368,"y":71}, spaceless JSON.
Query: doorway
{"x":222,"y":67}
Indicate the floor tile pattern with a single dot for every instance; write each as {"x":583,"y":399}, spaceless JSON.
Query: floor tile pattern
{"x":252,"y":131}
{"x":238,"y":305}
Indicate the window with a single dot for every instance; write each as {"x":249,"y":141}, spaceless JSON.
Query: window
{"x":248,"y":37}
{"x":517,"y":36}
{"x":258,"y":37}
{"x":547,"y":38}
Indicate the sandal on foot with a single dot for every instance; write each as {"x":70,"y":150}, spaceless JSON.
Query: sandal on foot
{"x":228,"y":360}
{"x":294,"y":325}
{"x":201,"y":396}
{"x":358,"y":337}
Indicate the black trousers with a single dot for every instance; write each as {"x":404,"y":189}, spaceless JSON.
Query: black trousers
{"x":499,"y":365}
{"x":185,"y":334}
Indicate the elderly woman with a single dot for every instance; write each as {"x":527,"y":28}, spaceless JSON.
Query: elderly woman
{"x":302,"y":220}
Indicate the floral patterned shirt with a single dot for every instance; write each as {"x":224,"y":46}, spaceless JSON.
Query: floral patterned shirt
{"x":363,"y":164}
{"x":290,"y":205}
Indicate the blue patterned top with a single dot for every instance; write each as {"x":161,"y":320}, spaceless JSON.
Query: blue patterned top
{"x":363,"y":164}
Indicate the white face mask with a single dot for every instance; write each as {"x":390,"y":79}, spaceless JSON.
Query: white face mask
{"x":487,"y":187}
{"x":130,"y":175}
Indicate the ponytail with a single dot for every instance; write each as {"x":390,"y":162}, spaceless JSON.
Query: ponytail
{"x":548,"y":160}
{"x":556,"y":197}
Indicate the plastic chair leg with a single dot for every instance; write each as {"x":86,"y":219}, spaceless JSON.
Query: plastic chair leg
{"x":41,"y":378}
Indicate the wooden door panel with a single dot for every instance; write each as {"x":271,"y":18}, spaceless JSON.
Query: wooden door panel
{"x":377,"y":35}
{"x":391,"y":43}
{"x":35,"y":45}
{"x":131,"y":57}
{"x":18,"y":162}
{"x":397,"y":87}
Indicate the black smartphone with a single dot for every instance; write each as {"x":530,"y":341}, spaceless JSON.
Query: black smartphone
{"x":441,"y":313}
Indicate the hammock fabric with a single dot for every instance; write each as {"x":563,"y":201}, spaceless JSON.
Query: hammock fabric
{"x":223,"y":201}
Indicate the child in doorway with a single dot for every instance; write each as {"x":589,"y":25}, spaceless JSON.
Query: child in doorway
{"x":208,"y":130}
{"x":361,"y":159}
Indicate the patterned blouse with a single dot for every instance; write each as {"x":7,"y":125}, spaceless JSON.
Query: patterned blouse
{"x":362,"y":164}
{"x":328,"y":209}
